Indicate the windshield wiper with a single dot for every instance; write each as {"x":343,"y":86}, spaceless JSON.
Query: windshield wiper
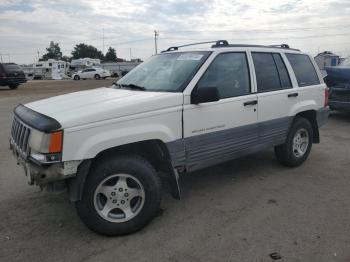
{"x":118,"y":85}
{"x":133,"y":86}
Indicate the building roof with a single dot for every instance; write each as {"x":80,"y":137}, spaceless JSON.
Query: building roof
{"x":327,"y":53}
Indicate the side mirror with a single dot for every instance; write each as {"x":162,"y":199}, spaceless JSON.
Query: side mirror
{"x":204,"y":95}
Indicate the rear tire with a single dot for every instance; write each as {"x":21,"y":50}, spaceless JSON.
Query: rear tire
{"x":13,"y":87}
{"x":298,"y":144}
{"x":102,"y":208}
{"x":97,"y":77}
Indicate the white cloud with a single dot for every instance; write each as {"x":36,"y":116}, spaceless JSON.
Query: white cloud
{"x":28,"y":26}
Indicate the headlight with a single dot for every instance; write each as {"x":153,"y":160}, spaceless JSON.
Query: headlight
{"x":45,"y":147}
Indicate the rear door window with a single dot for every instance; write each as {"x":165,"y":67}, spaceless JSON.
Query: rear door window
{"x":271,"y":73}
{"x":303,"y":69}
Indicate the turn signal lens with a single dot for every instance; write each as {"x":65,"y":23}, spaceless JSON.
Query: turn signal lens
{"x":56,"y":142}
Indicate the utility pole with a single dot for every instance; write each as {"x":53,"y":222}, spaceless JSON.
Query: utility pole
{"x":103,"y":41}
{"x":1,"y":57}
{"x":130,"y":54}
{"x":38,"y":54}
{"x":156,"y":34}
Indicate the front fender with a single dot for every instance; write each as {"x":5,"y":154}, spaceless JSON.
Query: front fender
{"x":87,"y":143}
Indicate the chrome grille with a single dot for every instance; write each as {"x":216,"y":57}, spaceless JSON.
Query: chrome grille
{"x":20,"y":136}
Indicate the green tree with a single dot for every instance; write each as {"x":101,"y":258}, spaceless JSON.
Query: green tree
{"x":111,"y":55}
{"x":66,"y":58}
{"x":52,"y":52}
{"x":82,"y":50}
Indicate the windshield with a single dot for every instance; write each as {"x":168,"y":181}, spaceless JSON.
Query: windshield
{"x":168,"y":72}
{"x":345,"y":62}
{"x":11,"y":68}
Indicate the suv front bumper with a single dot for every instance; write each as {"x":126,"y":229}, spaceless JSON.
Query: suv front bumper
{"x":43,"y":174}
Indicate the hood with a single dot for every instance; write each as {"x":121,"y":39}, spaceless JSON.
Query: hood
{"x":338,"y":72}
{"x":100,"y":104}
{"x":337,"y":76}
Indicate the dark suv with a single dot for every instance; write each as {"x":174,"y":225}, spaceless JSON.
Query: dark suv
{"x":11,"y":75}
{"x":338,"y":81}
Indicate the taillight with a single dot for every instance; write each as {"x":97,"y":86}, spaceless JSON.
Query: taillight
{"x":326,"y":97}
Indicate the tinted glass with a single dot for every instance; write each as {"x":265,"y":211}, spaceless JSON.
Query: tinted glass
{"x":267,"y":76}
{"x":282,"y":72}
{"x":229,"y":73}
{"x":303,"y":69}
{"x":11,"y":68}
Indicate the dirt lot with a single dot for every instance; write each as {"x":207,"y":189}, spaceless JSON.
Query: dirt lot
{"x":239,"y":211}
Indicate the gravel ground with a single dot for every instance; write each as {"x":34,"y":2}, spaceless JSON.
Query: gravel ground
{"x":242,"y":210}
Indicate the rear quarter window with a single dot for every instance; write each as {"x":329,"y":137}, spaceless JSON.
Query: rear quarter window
{"x":303,"y":69}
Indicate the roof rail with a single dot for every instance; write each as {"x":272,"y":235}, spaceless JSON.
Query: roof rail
{"x":224,"y":43}
{"x":280,"y":46}
{"x":174,"y":48}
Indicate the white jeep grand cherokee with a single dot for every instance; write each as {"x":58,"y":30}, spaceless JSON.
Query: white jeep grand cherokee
{"x":177,"y":112}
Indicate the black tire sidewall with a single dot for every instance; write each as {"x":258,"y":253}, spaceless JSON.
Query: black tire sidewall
{"x":97,"y":77}
{"x":76,"y":77}
{"x":132,"y":165}
{"x":13,"y":87}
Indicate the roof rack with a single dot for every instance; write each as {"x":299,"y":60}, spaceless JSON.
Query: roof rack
{"x":174,"y":48}
{"x":224,"y":43}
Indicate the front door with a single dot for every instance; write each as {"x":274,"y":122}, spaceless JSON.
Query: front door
{"x":218,"y":131}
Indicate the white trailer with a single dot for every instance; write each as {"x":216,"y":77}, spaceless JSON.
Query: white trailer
{"x":50,"y":69}
{"x":120,"y":68}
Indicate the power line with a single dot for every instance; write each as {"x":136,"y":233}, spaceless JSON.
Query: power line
{"x":277,"y":30}
{"x":257,"y":38}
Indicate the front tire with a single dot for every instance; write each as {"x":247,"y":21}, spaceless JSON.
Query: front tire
{"x":76,"y":77}
{"x":298,"y":144}
{"x":121,"y":195}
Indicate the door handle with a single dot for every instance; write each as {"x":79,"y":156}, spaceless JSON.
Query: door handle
{"x":250,"y":103}
{"x":293,"y":95}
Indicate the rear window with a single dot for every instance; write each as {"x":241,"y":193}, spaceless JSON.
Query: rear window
{"x":303,"y":69}
{"x":11,"y":68}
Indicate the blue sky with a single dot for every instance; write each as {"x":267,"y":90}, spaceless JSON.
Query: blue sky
{"x":27,"y":26}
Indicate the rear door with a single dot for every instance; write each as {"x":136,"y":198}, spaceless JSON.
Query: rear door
{"x":310,"y":89}
{"x":276,"y":97}
{"x":84,"y":73}
{"x":218,"y":131}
